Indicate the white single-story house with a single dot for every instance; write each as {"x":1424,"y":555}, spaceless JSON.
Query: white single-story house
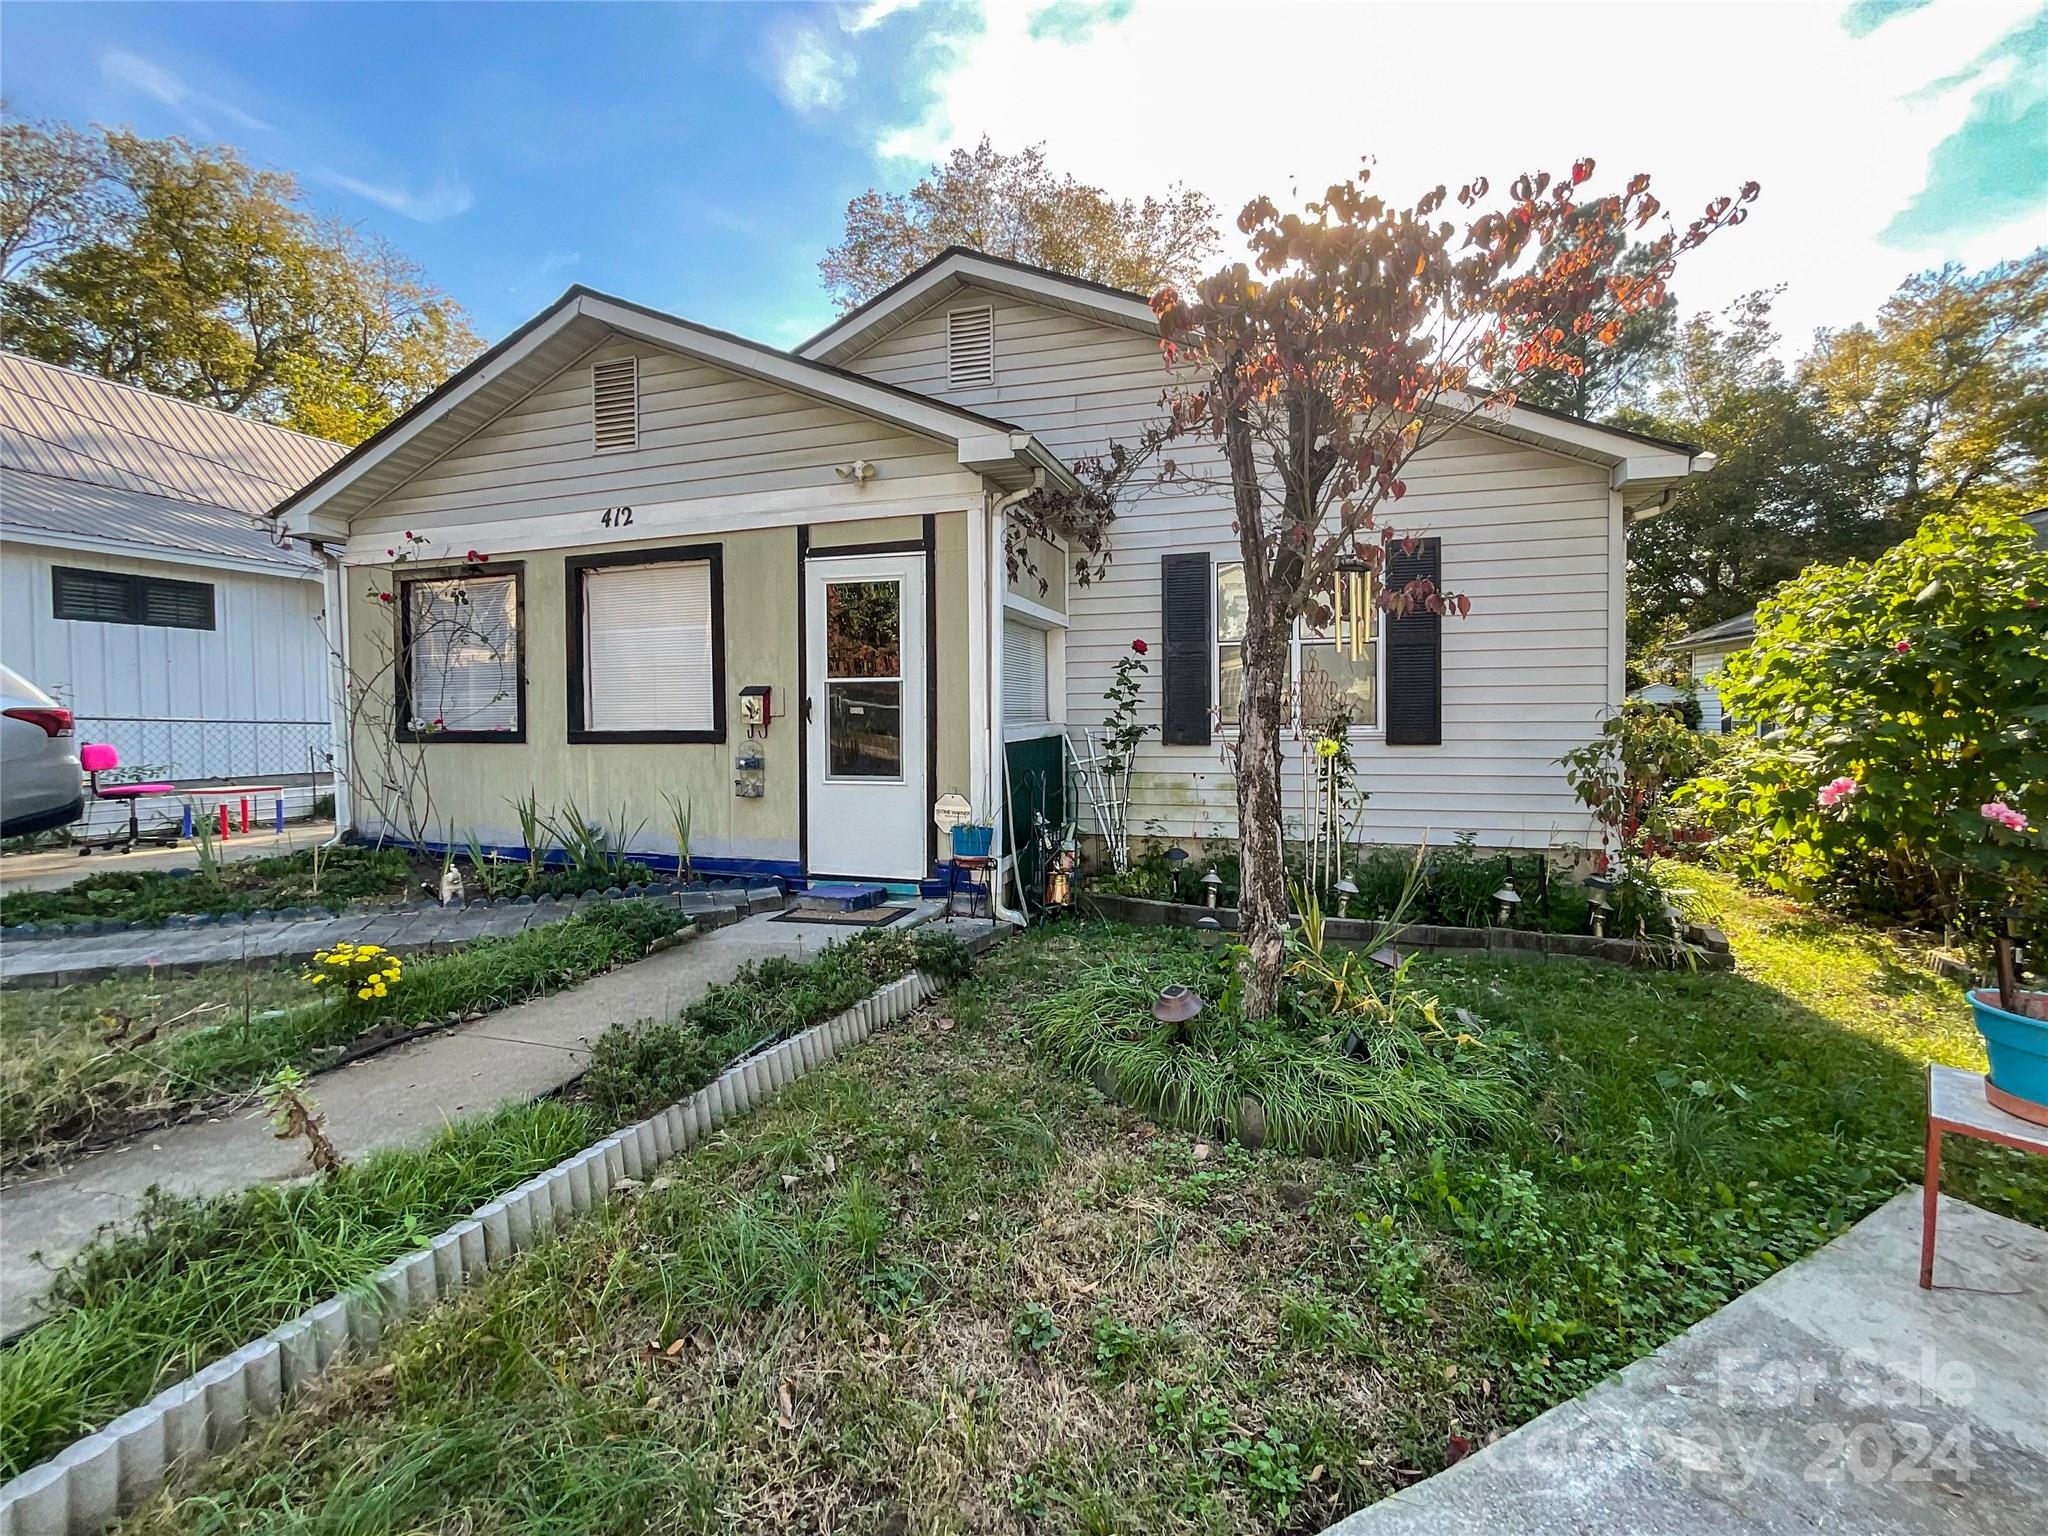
{"x":624,"y":560}
{"x":142,"y":586}
{"x":1703,"y":651}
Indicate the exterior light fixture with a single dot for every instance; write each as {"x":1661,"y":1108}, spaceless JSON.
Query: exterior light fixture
{"x":1212,"y":885}
{"x":1506,"y":901}
{"x":1386,"y":957}
{"x":1178,"y":1006}
{"x":1210,"y":932}
{"x":1601,"y":908}
{"x":1176,"y":856}
{"x":1346,"y":886}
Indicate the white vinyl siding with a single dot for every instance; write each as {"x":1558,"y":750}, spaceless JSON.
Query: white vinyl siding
{"x":464,"y":654}
{"x":1530,"y":535}
{"x":1024,"y":674}
{"x":647,"y":647}
{"x":737,"y":447}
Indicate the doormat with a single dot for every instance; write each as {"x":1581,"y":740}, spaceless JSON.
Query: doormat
{"x":863,"y":917}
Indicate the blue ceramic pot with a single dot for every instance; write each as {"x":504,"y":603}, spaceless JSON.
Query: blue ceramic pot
{"x":2017,"y":1046}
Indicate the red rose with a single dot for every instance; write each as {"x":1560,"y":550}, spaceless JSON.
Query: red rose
{"x":1902,"y":648}
{"x":437,"y":722}
{"x":1139,"y":646}
{"x":383,"y":597}
{"x":390,"y":551}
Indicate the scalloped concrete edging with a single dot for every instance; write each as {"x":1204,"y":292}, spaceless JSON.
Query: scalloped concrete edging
{"x":112,"y":1472}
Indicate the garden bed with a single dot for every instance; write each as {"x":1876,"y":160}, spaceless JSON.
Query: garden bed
{"x":92,"y":1064}
{"x":1704,"y":947}
{"x":945,"y":1284}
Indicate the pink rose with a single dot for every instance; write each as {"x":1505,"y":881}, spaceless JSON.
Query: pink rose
{"x":1903,"y":648}
{"x":1838,"y":790}
{"x":2004,"y":815}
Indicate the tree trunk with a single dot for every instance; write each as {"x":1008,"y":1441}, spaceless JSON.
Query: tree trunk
{"x":1261,"y":843}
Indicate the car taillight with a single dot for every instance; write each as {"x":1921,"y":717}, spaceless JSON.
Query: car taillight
{"x":52,"y":721}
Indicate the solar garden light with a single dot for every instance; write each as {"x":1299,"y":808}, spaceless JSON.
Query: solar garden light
{"x":1212,"y":883}
{"x":1600,"y":907}
{"x":1506,"y":900}
{"x":1177,"y":1005}
{"x":1210,"y":933}
{"x":1175,"y":857}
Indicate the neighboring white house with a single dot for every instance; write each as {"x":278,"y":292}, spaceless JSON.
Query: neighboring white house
{"x":142,"y":585}
{"x":637,"y":524}
{"x":1703,"y":651}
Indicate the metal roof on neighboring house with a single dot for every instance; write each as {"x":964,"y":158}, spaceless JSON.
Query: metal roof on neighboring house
{"x":89,"y":458}
{"x":1741,"y":627}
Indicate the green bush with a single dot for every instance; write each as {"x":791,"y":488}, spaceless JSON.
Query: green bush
{"x":1905,"y":695}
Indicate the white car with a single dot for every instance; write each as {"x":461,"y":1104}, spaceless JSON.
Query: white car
{"x":41,"y":785}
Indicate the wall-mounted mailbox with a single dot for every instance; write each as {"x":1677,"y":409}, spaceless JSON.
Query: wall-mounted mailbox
{"x":757,"y":708}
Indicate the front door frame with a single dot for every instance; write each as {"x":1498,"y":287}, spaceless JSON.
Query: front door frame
{"x":926,"y":545}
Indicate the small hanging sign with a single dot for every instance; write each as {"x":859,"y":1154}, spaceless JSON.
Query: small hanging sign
{"x":950,"y":811}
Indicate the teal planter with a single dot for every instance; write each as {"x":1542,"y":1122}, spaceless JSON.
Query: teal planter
{"x":973,"y":842}
{"x":2018,"y":1048}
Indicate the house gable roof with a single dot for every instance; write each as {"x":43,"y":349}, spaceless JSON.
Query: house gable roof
{"x":1738,"y":630}
{"x":568,"y":330}
{"x":1638,"y":463}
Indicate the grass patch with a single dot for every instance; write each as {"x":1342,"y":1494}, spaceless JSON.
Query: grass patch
{"x":89,"y":1062}
{"x":943,"y":1285}
{"x":137,"y":1311}
{"x":203,"y":1277}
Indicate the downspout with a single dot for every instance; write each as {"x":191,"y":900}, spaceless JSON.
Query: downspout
{"x":336,"y":582}
{"x":998,"y":581}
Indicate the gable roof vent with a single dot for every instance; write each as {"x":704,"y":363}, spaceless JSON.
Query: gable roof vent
{"x":615,"y":405}
{"x":970,"y":346}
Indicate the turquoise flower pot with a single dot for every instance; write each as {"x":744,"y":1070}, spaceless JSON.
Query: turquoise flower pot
{"x":2018,"y":1048}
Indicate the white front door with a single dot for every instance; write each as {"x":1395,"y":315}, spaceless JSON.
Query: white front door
{"x":864,"y":705}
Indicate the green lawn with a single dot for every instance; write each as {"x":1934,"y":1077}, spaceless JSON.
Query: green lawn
{"x":940,"y":1287}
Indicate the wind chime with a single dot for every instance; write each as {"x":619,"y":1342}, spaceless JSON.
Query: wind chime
{"x":1323,"y":755}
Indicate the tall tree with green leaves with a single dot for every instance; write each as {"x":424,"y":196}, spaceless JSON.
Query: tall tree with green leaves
{"x":1015,"y":206}
{"x":1613,"y":377}
{"x":1948,"y":388}
{"x":184,"y":270}
{"x":1791,"y":486}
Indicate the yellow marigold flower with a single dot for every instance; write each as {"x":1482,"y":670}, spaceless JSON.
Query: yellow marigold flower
{"x":1328,"y":747}
{"x":363,"y":993}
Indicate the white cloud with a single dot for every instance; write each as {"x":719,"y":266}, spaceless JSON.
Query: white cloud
{"x":1284,"y":101}
{"x":811,"y":76}
{"x":873,"y":14}
{"x":198,"y":109}
{"x":444,"y":199}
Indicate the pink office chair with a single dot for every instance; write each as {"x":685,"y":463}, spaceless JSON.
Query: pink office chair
{"x":98,"y":757}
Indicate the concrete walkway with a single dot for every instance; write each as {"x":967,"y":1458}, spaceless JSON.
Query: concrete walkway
{"x":401,"y":1096}
{"x":1835,"y":1397}
{"x":53,"y":869}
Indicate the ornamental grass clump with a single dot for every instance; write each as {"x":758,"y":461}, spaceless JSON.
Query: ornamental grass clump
{"x":1355,"y":1057}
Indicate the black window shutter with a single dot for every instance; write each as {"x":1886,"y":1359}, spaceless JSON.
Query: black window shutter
{"x":1184,"y":632}
{"x":1415,"y":652}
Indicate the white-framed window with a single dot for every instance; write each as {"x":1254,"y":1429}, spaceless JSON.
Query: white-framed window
{"x":461,"y":679}
{"x":650,"y":649}
{"x":1316,"y":654}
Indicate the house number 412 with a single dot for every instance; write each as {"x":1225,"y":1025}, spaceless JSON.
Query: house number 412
{"x":617,"y":517}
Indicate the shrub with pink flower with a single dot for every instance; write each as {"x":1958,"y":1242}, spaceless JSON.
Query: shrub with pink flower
{"x":1999,"y":812}
{"x":1835,"y":791}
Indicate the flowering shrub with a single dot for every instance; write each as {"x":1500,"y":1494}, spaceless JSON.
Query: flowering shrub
{"x":1910,"y":744}
{"x":361,"y":973}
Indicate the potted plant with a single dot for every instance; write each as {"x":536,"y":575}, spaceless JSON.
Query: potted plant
{"x":2013,"y":1019}
{"x":973,"y":839}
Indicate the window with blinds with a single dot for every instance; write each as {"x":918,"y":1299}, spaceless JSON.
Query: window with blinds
{"x":649,"y":648}
{"x":113,"y":597}
{"x":462,"y":653}
{"x":1025,"y":698}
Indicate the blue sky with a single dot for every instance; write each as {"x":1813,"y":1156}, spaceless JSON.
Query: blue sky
{"x":698,"y":158}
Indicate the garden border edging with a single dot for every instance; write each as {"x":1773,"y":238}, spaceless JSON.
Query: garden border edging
{"x":1709,"y":950}
{"x":108,"y":1474}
